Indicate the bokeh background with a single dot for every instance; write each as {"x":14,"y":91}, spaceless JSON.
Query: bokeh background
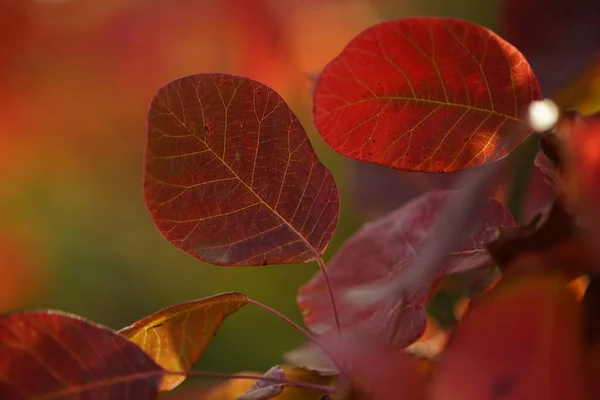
{"x":76,"y":78}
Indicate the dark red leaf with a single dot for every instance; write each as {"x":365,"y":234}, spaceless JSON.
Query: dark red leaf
{"x":51,"y":355}
{"x":425,"y":94}
{"x":175,"y":337}
{"x":231,"y":177}
{"x":385,"y":250}
{"x":378,"y":190}
{"x":555,"y":225}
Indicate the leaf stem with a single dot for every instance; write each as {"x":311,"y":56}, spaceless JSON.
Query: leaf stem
{"x":330,"y":293}
{"x":300,"y":329}
{"x":303,"y":331}
{"x":225,"y":375}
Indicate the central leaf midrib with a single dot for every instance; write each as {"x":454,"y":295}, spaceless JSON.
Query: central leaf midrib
{"x":434,"y":102}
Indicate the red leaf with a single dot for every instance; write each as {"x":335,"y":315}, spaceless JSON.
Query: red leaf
{"x":175,"y":337}
{"x":50,"y":355}
{"x":583,"y":164}
{"x":425,"y":94}
{"x":231,"y":177}
{"x":522,"y":340}
{"x":385,"y":250}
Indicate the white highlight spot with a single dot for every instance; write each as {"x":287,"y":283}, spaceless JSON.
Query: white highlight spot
{"x":543,"y":115}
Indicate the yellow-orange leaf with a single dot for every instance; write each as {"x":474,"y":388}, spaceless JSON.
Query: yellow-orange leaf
{"x":175,"y":337}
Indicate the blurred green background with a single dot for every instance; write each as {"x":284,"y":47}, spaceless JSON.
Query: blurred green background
{"x":76,"y":78}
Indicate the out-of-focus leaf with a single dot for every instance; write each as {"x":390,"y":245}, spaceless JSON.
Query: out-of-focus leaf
{"x":262,"y":390}
{"x":231,"y":177}
{"x":425,"y":94}
{"x":311,"y":357}
{"x":377,"y":371}
{"x":386,"y":250}
{"x":521,"y":340}
{"x":583,"y":167}
{"x":560,"y":40}
{"x":51,"y":355}
{"x":175,"y":337}
{"x":377,"y":190}
{"x":234,"y":388}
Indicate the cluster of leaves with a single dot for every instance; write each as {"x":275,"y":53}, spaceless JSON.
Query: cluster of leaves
{"x":231,"y":178}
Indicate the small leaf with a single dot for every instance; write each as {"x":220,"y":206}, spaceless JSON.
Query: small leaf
{"x":175,"y":337}
{"x":262,"y":390}
{"x":425,"y":94}
{"x":52,"y":355}
{"x":386,"y":250}
{"x":234,"y":388}
{"x":230,"y":176}
{"x":521,"y":340}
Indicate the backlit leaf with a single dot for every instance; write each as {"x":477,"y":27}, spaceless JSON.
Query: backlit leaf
{"x":425,"y":94}
{"x":385,"y":250}
{"x":522,"y":340}
{"x":175,"y":337}
{"x":231,"y":177}
{"x":50,"y":355}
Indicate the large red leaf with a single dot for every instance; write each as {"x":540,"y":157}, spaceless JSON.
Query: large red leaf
{"x":385,"y":250}
{"x":522,"y":340}
{"x":231,"y":177}
{"x":50,"y":355}
{"x":175,"y":337}
{"x":425,"y":94}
